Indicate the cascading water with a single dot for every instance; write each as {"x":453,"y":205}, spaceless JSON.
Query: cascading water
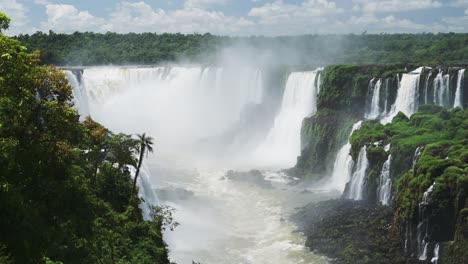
{"x":282,"y":144}
{"x":442,"y":90}
{"x":80,"y":97}
{"x":435,"y":258}
{"x":343,"y":166}
{"x":222,"y":221}
{"x":458,"y":101}
{"x":407,"y":96}
{"x":426,"y":88}
{"x":417,"y":153}
{"x":423,"y":226}
{"x":385,"y":184}
{"x":358,"y":179}
{"x":375,"y":109}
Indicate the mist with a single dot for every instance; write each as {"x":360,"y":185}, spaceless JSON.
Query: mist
{"x":213,"y":125}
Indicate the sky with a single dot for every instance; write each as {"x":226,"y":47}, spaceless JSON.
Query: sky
{"x":237,"y":17}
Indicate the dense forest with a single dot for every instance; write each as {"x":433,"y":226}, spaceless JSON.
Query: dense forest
{"x":151,"y":48}
{"x":66,"y":189}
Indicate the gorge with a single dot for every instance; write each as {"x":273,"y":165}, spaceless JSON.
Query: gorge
{"x":207,"y":122}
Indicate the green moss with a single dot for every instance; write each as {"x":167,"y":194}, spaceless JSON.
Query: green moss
{"x":443,"y":134}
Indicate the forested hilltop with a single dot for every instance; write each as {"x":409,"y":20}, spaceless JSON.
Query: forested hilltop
{"x":150,"y":48}
{"x":66,"y":191}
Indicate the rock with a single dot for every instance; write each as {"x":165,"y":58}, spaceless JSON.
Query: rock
{"x":252,"y":177}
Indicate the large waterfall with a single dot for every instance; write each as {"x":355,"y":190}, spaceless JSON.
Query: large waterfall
{"x":283,"y":144}
{"x":407,"y":96}
{"x":187,"y":108}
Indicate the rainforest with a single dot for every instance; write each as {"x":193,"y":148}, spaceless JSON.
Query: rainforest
{"x":205,"y":148}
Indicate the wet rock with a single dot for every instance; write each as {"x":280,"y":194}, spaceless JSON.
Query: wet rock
{"x":351,"y":232}
{"x":254,"y":177}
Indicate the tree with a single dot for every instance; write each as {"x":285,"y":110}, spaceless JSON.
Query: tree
{"x":4,"y":21}
{"x":146,"y":145}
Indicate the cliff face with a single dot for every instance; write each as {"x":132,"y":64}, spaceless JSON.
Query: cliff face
{"x":418,"y":165}
{"x":341,"y":103}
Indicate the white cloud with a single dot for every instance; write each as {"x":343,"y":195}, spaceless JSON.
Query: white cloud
{"x":67,"y":18}
{"x":204,"y":3}
{"x":382,"y":6}
{"x":275,"y":17}
{"x":17,"y":12}
{"x":466,"y":11}
{"x":141,"y":17}
{"x":309,"y":12}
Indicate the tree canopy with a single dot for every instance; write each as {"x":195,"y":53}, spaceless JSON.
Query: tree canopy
{"x":87,"y":48}
{"x":64,"y":185}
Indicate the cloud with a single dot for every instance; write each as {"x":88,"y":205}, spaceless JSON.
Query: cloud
{"x":204,"y":3}
{"x":141,"y":17}
{"x":383,"y":6}
{"x":310,"y":12}
{"x":17,"y":12}
{"x":67,"y":18}
{"x":269,"y":17}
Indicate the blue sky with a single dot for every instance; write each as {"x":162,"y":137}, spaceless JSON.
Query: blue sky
{"x":238,"y":17}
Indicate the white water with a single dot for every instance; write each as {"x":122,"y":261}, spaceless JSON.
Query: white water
{"x":80,"y":97}
{"x":183,"y":104}
{"x":435,"y":258}
{"x":283,"y":143}
{"x":426,"y":88}
{"x":224,"y":221}
{"x":343,"y":166}
{"x":358,"y":179}
{"x":417,"y":153}
{"x":385,"y":183}
{"x":407,"y":96}
{"x":375,"y":110}
{"x":458,"y":102}
{"x":442,"y":90}
{"x":423,"y":228}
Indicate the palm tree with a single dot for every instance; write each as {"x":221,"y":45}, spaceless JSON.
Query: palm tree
{"x":146,"y":146}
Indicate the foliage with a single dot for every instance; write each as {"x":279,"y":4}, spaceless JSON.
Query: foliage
{"x":149,"y":48}
{"x":64,"y":185}
{"x":442,"y":134}
{"x":4,"y":21}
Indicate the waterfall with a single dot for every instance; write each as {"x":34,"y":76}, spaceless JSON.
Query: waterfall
{"x":407,"y":96}
{"x":187,"y":103}
{"x":426,"y":88}
{"x":343,"y":166}
{"x":80,"y":97}
{"x":458,"y":102}
{"x":283,"y":144}
{"x":374,"y":109}
{"x":359,"y":175}
{"x":416,"y":155}
{"x":385,"y":185}
{"x":423,"y":226}
{"x":442,"y":90}
{"x":435,"y":258}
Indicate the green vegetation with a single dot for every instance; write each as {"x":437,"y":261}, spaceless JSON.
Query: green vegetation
{"x":443,"y":134}
{"x":65,"y":185}
{"x":340,"y":104}
{"x":150,"y":48}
